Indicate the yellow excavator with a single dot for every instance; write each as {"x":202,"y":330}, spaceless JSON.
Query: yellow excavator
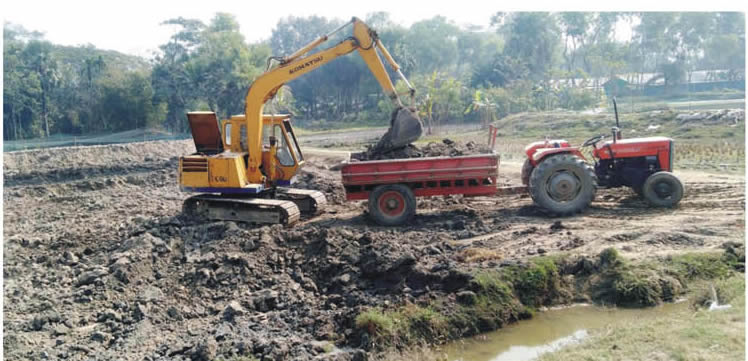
{"x":243,"y":170}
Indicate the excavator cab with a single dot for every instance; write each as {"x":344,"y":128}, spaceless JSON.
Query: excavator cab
{"x":281,"y":154}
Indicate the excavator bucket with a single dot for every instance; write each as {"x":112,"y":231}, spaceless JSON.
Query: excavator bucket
{"x":405,"y":128}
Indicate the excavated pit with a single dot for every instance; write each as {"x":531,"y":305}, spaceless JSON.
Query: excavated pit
{"x":100,"y":263}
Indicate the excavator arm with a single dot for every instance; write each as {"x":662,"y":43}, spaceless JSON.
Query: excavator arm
{"x":405,"y":126}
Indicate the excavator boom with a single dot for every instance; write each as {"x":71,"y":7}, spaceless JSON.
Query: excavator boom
{"x":405,"y":125}
{"x":243,"y":168}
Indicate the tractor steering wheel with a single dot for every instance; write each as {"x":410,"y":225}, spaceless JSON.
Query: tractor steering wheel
{"x":592,"y":141}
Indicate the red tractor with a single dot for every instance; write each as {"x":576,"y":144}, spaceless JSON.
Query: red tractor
{"x":560,"y":181}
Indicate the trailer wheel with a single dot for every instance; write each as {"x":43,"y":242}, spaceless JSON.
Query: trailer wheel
{"x":526,"y":171}
{"x":392,"y":204}
{"x":663,"y":189}
{"x":563,"y":184}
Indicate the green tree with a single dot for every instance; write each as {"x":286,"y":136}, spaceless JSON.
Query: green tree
{"x":44,"y":65}
{"x":170,"y":79}
{"x":315,"y":93}
{"x":126,"y":102}
{"x":21,"y":87}
{"x":656,"y":35}
{"x":574,"y":26}
{"x":433,"y":44}
{"x":483,"y":106}
{"x":533,"y":38}
{"x":725,"y":49}
{"x":503,"y":70}
{"x":220,"y":68}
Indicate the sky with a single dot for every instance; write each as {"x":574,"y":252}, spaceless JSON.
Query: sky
{"x":132,"y":26}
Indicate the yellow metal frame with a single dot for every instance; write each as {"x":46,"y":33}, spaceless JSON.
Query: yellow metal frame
{"x":296,"y":65}
{"x":249,"y":167}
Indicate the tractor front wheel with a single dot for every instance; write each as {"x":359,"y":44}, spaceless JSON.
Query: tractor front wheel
{"x":663,"y":189}
{"x":563,"y":184}
{"x":392,"y":204}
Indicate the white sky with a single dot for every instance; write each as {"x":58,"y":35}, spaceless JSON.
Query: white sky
{"x":132,"y":26}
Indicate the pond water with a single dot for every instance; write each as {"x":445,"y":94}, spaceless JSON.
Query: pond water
{"x":548,"y":331}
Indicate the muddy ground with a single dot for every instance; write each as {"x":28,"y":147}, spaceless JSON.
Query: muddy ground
{"x":99,"y":263}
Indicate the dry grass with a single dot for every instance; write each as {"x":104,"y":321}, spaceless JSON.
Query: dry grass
{"x":413,"y":353}
{"x":478,"y":254}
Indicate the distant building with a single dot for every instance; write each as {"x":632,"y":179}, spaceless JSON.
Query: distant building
{"x":652,"y":84}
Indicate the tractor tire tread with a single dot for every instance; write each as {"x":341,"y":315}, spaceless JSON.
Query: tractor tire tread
{"x":589,"y":186}
{"x":650,"y":196}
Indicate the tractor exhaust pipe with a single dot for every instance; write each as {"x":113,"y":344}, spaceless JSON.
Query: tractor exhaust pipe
{"x":617,"y":128}
{"x":615,"y":108}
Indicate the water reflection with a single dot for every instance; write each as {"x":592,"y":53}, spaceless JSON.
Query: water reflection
{"x":548,"y":331}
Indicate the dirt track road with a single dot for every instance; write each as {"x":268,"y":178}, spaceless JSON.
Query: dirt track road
{"x":99,"y":263}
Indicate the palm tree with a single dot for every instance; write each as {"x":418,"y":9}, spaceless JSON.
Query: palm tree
{"x":484,"y":106}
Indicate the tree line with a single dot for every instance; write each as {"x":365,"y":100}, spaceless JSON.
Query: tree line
{"x":525,"y":61}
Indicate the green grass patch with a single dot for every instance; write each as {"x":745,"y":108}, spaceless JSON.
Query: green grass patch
{"x":494,"y":298}
{"x":648,"y":283}
{"x":537,"y":283}
{"x":491,"y":288}
{"x":684,"y":334}
{"x":642,"y":288}
{"x":610,"y":257}
{"x":377,"y":323}
{"x":701,"y":265}
{"x":403,"y":326}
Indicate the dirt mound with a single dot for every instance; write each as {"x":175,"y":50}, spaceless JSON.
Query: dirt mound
{"x":447,"y":148}
{"x":317,"y":175}
{"x":99,"y":262}
{"x":724,"y":116}
{"x":68,"y":159}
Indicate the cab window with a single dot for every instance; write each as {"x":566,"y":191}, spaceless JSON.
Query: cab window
{"x":294,"y":143}
{"x":283,"y":152}
{"x":242,"y":135}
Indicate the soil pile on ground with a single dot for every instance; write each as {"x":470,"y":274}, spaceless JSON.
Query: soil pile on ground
{"x":447,"y":148}
{"x":100,"y":263}
{"x":723,"y":116}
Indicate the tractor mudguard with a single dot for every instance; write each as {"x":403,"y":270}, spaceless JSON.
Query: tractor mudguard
{"x":556,"y":143}
{"x":543,"y":153}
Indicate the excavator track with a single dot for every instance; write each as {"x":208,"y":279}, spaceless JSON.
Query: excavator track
{"x":256,"y":210}
{"x":310,"y":202}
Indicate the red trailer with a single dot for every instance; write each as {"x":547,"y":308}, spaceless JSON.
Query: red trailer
{"x":392,"y":185}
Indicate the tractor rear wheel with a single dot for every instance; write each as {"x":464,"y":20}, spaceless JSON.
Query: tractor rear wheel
{"x":526,"y":172}
{"x":563,"y":184}
{"x":392,"y":204}
{"x":663,"y":189}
